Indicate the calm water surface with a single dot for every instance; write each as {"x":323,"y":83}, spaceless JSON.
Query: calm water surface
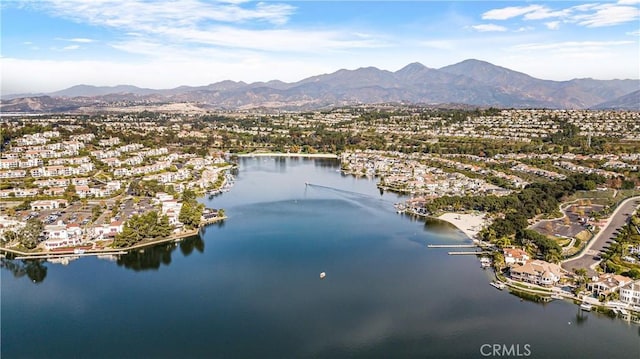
{"x":250,"y":287}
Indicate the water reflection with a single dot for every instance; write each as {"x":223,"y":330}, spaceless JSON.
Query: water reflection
{"x":326,"y":162}
{"x":152,"y":258}
{"x":436,"y":225}
{"x":33,"y":269}
{"x":581,"y":317}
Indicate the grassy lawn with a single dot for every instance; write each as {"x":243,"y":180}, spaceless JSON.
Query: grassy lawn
{"x":562,"y":242}
{"x":584,"y":236}
{"x":608,"y":194}
{"x":626,"y":193}
{"x":527,"y":287}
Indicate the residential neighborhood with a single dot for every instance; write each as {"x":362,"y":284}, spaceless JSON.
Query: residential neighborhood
{"x":83,"y":188}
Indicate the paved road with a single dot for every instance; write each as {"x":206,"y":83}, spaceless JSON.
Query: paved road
{"x":619,"y":217}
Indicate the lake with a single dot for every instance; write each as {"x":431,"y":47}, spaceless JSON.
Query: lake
{"x":249,"y":287}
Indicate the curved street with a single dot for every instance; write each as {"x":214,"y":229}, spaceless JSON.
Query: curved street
{"x":620,"y":217}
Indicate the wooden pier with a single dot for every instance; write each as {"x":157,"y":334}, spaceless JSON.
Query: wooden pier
{"x":451,"y":245}
{"x":468,"y":253}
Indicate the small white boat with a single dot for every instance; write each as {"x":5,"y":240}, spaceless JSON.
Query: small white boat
{"x":586,"y":307}
{"x":322,"y":275}
{"x":498,"y":285}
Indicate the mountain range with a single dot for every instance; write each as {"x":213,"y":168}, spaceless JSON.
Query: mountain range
{"x":470,"y":82}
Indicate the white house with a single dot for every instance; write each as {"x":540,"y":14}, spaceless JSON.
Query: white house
{"x":48,"y":204}
{"x":515,"y":256}
{"x":537,"y":272}
{"x":60,"y":236}
{"x":607,"y":283}
{"x":630,"y":293}
{"x":108,"y":230}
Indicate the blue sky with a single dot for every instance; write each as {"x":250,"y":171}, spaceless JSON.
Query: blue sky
{"x":48,"y":45}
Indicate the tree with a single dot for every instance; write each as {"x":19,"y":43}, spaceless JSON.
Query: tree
{"x":116,"y":207}
{"x":70,"y":193}
{"x":589,"y":185}
{"x":9,"y":236}
{"x":164,"y":228}
{"x":190,"y":214}
{"x":188,"y":195}
{"x":96,"y":211}
{"x":29,"y":234}
{"x":140,"y":227}
{"x":503,"y":242}
{"x":498,"y":261}
{"x":24,"y":206}
{"x":634,"y":273}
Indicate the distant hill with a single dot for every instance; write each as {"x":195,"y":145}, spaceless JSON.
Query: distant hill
{"x":91,"y":91}
{"x":471,"y":82}
{"x":37,"y":104}
{"x":629,"y":101}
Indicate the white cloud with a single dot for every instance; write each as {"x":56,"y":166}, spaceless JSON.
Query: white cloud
{"x":71,"y":47}
{"x":571,"y":45}
{"x":608,"y":15}
{"x":509,"y":12}
{"x":552,"y":25}
{"x":489,"y":28}
{"x":224,"y":37}
{"x":589,"y":14}
{"x":634,"y":33}
{"x":545,"y":13}
{"x":524,"y":28}
{"x":142,"y":14}
{"x":222,"y":24}
{"x":81,"y":40}
{"x":584,"y":7}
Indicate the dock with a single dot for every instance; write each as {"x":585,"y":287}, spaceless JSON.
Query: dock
{"x":451,"y":246}
{"x":211,"y":220}
{"x":53,"y":255}
{"x":468,"y":253}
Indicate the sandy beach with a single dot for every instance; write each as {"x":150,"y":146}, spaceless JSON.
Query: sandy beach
{"x":470,"y":224}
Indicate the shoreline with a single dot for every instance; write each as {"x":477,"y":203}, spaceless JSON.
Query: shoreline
{"x":469,"y":224}
{"x":287,"y":154}
{"x":172,"y":238}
